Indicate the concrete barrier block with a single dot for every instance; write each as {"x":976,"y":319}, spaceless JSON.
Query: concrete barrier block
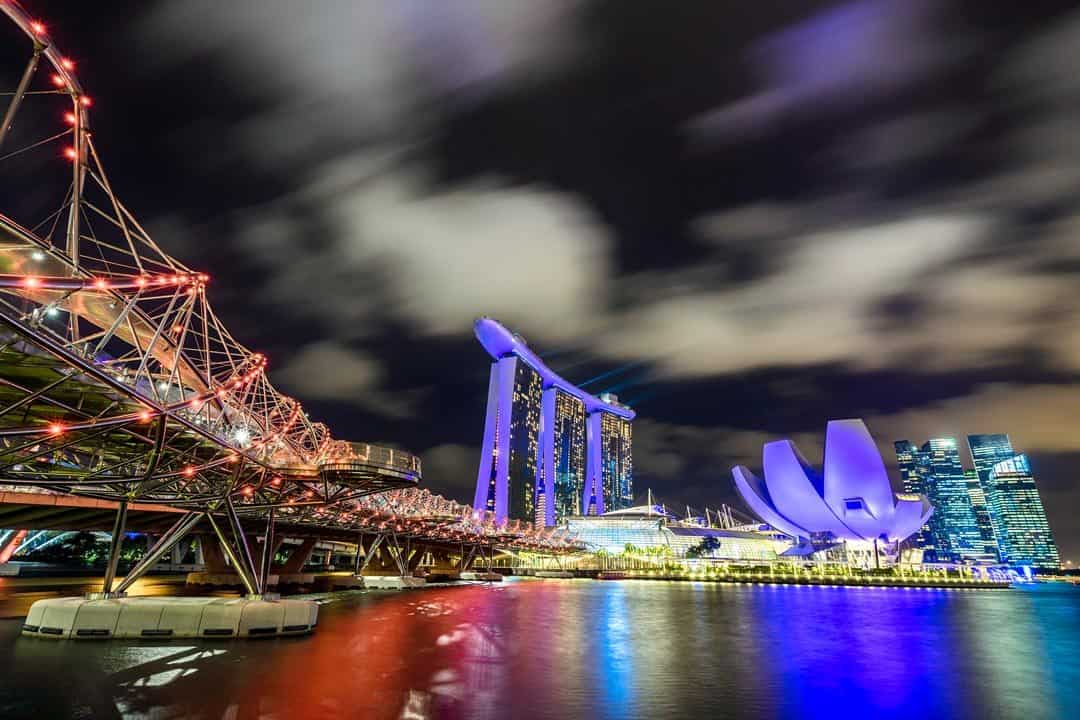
{"x":261,"y":618}
{"x":96,"y":619}
{"x":59,"y":616}
{"x":138,"y":619}
{"x":221,"y":617}
{"x":299,"y":616}
{"x":182,"y":617}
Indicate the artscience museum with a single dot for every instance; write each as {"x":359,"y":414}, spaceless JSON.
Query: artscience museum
{"x":849,"y":502}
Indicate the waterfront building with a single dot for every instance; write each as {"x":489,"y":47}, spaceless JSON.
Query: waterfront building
{"x":651,"y":530}
{"x":982,"y":514}
{"x":987,"y":450}
{"x":568,"y":452}
{"x":616,"y":459}
{"x":509,"y":464}
{"x":913,"y":472}
{"x":550,"y":449}
{"x":952,"y":533}
{"x":850,"y":502}
{"x":1018,"y":517}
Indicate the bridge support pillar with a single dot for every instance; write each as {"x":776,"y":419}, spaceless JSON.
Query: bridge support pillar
{"x":299,"y":557}
{"x":165,"y":543}
{"x":213,"y":557}
{"x":10,"y":544}
{"x":119,"y":525}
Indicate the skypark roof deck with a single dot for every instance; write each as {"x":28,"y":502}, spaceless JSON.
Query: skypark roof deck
{"x":500,"y":342}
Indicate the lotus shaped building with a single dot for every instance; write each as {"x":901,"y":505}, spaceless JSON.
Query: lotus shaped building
{"x":850,"y":500}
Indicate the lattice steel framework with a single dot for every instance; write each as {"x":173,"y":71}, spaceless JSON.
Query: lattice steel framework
{"x":117,"y":379}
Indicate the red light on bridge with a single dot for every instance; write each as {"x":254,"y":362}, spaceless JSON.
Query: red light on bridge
{"x":85,"y":101}
{"x":70,"y":153}
{"x":100,"y":284}
{"x":69,"y":118}
{"x":56,"y":428}
{"x":57,"y":80}
{"x":189,"y":471}
{"x":67,"y":64}
{"x":31,"y":282}
{"x":38,"y":27}
{"x":144,"y":416}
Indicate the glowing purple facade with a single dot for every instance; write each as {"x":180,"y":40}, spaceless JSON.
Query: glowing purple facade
{"x":851,"y":499}
{"x":526,"y":436}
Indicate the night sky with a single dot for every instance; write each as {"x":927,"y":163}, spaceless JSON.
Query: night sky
{"x":745,"y":218}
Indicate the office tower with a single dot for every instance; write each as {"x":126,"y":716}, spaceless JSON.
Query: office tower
{"x":1018,"y":517}
{"x":952,"y":533}
{"x":987,"y":451}
{"x":982,"y":515}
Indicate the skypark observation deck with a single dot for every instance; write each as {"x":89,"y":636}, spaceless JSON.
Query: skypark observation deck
{"x":550,"y":450}
{"x":118,"y":381}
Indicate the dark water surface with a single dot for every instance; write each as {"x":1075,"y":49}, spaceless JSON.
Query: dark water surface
{"x":588,"y":649}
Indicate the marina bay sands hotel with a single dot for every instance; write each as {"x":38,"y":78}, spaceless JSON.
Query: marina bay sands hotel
{"x":551,"y":450}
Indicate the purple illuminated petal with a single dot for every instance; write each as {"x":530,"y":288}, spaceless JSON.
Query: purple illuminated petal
{"x":854,"y":470}
{"x":796,"y":494}
{"x":910,"y":515}
{"x":756,"y":496}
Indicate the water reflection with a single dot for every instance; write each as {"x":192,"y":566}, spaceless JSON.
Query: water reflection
{"x":568,"y":649}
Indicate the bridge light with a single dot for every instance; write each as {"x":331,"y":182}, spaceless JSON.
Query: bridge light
{"x":85,"y":101}
{"x":100,"y":284}
{"x":31,"y":282}
{"x":67,"y":64}
{"x":144,"y":416}
{"x":38,"y":27}
{"x":69,"y":118}
{"x":57,"y":80}
{"x":196,"y":404}
{"x":70,"y":153}
{"x":189,"y":471}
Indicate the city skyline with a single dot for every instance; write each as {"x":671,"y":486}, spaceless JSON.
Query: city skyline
{"x":992,"y":512}
{"x":372,"y":231}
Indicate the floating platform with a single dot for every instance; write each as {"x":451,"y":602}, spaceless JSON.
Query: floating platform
{"x":168,"y":617}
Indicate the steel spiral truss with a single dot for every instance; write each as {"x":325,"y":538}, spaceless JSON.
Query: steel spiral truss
{"x":118,"y":380}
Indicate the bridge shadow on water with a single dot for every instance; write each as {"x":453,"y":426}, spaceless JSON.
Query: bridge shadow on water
{"x":579,"y":648}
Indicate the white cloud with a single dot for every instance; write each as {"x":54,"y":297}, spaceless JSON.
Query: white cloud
{"x":815,"y":308}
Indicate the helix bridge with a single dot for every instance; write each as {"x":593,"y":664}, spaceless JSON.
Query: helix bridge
{"x":119,"y":382}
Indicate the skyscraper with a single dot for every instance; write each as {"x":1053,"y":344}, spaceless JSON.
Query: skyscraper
{"x":1018,"y":517}
{"x":987,"y":451}
{"x":616,"y":461}
{"x":982,"y":515}
{"x":568,"y":453}
{"x":511,"y":433}
{"x":913,"y":466}
{"x":952,"y":533}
